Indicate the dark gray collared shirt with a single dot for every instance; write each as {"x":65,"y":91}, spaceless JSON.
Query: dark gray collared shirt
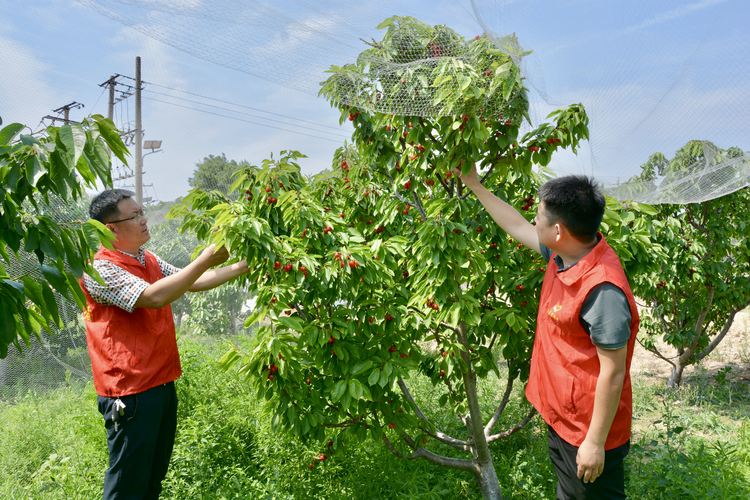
{"x":605,"y":314}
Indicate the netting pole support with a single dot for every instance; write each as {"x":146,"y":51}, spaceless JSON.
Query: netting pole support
{"x":138,"y":136}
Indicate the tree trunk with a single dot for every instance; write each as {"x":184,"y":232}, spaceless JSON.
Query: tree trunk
{"x":488,"y":483}
{"x":675,"y":378}
{"x":486,"y":474}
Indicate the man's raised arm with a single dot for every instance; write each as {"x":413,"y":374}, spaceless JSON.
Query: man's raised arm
{"x":507,"y":217}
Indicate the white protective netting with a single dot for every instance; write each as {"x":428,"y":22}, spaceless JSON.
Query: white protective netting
{"x":652,"y":75}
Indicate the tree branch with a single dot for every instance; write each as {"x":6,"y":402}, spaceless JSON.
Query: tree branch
{"x":501,"y":407}
{"x":449,"y":463}
{"x":418,"y":204}
{"x":521,"y":425}
{"x":456,"y":443}
{"x":722,"y":334}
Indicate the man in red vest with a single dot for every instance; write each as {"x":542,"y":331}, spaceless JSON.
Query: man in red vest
{"x":131,"y":339}
{"x":586,"y":326}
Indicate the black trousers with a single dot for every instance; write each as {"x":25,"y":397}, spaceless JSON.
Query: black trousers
{"x":609,"y":486}
{"x":140,"y":447}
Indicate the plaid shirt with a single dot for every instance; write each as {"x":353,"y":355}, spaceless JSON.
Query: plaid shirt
{"x":122,"y":289}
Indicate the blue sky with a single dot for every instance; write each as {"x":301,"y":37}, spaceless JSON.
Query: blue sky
{"x":653,"y":75}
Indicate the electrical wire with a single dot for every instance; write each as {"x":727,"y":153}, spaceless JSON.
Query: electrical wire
{"x":230,"y":103}
{"x":265,"y":125}
{"x":240,"y":112}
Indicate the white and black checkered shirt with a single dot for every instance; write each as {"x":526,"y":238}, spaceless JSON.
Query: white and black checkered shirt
{"x":122,"y":289}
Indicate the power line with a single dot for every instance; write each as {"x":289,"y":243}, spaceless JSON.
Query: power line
{"x":235,"y":104}
{"x":242,"y":113}
{"x":265,"y":125}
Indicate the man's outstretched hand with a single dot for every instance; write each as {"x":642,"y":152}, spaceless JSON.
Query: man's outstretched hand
{"x":212,"y":256}
{"x":470,"y":180}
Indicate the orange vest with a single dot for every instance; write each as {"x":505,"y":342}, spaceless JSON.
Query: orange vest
{"x":130,"y":352}
{"x":564,"y":362}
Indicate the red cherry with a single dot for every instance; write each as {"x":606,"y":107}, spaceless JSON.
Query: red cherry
{"x":311,"y":466}
{"x":392,"y":348}
{"x":391,"y":425}
{"x":480,"y":229}
{"x":277,"y":265}
{"x":372,"y":320}
{"x":268,"y":190}
{"x":523,"y":304}
{"x":388,"y":317}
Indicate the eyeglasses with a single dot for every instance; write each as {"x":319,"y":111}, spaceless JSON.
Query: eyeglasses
{"x":137,"y":217}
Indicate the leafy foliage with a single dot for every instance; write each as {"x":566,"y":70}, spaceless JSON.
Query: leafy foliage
{"x":32,"y":170}
{"x":214,"y":172}
{"x":695,"y":278}
{"x":385,"y":267}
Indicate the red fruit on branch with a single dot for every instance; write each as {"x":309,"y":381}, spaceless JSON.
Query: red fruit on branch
{"x":466,"y":118}
{"x":442,"y":373}
{"x":391,"y":425}
{"x":523,"y":304}
{"x":277,"y":265}
{"x":392,"y":348}
{"x":407,"y":184}
{"x":311,"y":466}
{"x":268,"y":190}
{"x":519,"y":287}
{"x":270,"y":376}
{"x":480,"y":229}
{"x":388,"y":317}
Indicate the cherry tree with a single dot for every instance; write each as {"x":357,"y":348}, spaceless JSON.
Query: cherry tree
{"x":386,"y":266}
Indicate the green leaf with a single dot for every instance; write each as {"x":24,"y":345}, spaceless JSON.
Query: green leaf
{"x":33,"y":291}
{"x":338,"y":390}
{"x":358,"y":390}
{"x":56,"y":279}
{"x":374,"y":377}
{"x":360,"y":367}
{"x":74,"y":139}
{"x":49,"y":299}
{"x":229,"y":360}
{"x":7,"y":134}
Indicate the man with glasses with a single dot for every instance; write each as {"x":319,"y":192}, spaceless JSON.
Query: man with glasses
{"x":131,"y":339}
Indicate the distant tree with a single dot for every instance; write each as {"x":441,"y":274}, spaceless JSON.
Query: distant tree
{"x":695,"y":287}
{"x":215,"y":172}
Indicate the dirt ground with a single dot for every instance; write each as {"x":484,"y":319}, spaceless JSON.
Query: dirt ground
{"x":733,"y":351}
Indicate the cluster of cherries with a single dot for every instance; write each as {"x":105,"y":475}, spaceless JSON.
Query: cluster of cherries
{"x":529,"y":202}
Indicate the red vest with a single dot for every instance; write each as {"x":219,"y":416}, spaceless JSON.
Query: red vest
{"x":564,"y":362}
{"x":130,"y":352}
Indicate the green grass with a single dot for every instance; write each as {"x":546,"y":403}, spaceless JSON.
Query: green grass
{"x":691,"y":444}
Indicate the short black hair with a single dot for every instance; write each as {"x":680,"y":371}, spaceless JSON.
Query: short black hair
{"x":104,"y":206}
{"x":576,"y":202}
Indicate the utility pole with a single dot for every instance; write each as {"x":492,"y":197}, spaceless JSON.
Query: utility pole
{"x":111,"y":103}
{"x":65,"y":110}
{"x":138,"y":135}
